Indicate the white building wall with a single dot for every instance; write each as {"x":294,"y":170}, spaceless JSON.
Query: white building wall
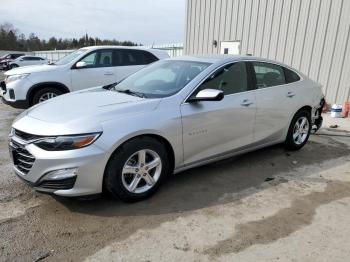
{"x":310,"y":35}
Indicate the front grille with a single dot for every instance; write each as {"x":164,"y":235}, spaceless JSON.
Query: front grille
{"x":25,"y":136}
{"x":22,"y":159}
{"x":62,"y":184}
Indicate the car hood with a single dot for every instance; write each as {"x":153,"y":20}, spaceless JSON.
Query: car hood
{"x":32,"y":69}
{"x":81,"y":112}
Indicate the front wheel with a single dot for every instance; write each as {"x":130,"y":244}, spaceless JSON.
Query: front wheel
{"x":45,"y":94}
{"x":136,"y":169}
{"x":13,"y":66}
{"x":299,"y":130}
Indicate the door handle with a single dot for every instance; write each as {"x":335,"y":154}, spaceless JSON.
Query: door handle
{"x":290,"y":94}
{"x":246,"y":102}
{"x":108,"y":74}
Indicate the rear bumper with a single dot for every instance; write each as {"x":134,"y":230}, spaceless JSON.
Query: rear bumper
{"x":318,"y":119}
{"x":318,"y":123}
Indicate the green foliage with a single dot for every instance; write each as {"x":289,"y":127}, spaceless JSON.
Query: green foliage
{"x":11,"y":39}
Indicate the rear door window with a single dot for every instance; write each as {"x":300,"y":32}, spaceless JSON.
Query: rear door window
{"x":268,"y":75}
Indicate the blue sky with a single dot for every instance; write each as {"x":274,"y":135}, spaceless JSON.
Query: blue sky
{"x":142,"y":21}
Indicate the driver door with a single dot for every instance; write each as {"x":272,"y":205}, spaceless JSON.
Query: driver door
{"x":211,"y":128}
{"x":98,"y":70}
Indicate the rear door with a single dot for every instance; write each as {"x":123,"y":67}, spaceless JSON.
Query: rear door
{"x":26,"y":61}
{"x":99,"y":70}
{"x":129,"y":61}
{"x":276,"y":100}
{"x":37,"y":60}
{"x":211,"y":128}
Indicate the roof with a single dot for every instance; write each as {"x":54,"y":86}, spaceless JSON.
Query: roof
{"x":229,"y":58}
{"x":217,"y":58}
{"x":158,"y":52}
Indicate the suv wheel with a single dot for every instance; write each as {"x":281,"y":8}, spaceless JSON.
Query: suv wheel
{"x":136,"y":169}
{"x":13,"y":66}
{"x":299,"y":130}
{"x":45,"y":94}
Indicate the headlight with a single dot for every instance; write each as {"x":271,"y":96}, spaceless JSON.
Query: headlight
{"x":12,"y":78}
{"x":60,"y":143}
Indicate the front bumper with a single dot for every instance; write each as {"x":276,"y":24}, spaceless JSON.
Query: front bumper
{"x":11,"y":95}
{"x":89,"y":163}
{"x":21,"y":104}
{"x":4,"y":66}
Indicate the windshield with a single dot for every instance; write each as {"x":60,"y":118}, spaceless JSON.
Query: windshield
{"x":163,"y":78}
{"x":68,"y":58}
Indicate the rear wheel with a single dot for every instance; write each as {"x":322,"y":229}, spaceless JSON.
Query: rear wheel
{"x":299,"y":130}
{"x":45,"y":94}
{"x":136,"y":169}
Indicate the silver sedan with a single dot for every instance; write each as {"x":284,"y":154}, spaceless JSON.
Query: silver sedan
{"x":173,"y":115}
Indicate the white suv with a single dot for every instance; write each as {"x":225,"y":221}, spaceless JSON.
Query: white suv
{"x":84,"y":68}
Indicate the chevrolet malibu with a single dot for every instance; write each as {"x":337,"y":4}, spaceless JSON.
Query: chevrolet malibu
{"x":175,"y":114}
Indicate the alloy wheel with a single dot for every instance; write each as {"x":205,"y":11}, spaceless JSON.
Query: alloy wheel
{"x":301,"y":130}
{"x":141,"y":171}
{"x":46,"y":96}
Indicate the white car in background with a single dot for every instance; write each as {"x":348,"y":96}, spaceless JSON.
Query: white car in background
{"x":27,"y":60}
{"x":84,"y":68}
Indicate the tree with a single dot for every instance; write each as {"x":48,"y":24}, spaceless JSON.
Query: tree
{"x":11,"y":39}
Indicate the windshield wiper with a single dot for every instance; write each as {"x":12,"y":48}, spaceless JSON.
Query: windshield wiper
{"x":110,"y":86}
{"x":129,"y":92}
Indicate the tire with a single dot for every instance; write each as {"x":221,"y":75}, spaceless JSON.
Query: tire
{"x":48,"y":92}
{"x":299,"y":130}
{"x":13,"y":66}
{"x":127,"y":157}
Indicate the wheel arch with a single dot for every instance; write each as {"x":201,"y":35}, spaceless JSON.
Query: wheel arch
{"x":306,"y":107}
{"x":169,"y":148}
{"x":35,"y":88}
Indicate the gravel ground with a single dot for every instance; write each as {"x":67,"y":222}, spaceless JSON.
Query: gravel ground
{"x":2,"y":76}
{"x":226,"y":211}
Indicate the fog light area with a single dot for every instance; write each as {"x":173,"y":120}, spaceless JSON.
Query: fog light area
{"x":60,"y":174}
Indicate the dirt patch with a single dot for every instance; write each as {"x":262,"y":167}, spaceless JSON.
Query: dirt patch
{"x":283,"y":223}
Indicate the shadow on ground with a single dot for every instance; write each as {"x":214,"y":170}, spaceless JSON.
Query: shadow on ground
{"x":206,"y":186}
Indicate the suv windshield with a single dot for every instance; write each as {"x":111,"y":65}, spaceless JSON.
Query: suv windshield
{"x":162,"y":79}
{"x":68,"y":58}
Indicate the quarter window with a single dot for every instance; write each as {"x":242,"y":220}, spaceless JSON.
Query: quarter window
{"x":231,"y":79}
{"x":291,"y":76}
{"x":268,"y":75}
{"x":128,"y":57}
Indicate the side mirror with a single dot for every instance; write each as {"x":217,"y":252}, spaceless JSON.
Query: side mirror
{"x":208,"y":95}
{"x":21,"y":59}
{"x":80,"y":64}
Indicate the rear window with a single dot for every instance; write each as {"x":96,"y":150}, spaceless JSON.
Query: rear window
{"x":290,"y":76}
